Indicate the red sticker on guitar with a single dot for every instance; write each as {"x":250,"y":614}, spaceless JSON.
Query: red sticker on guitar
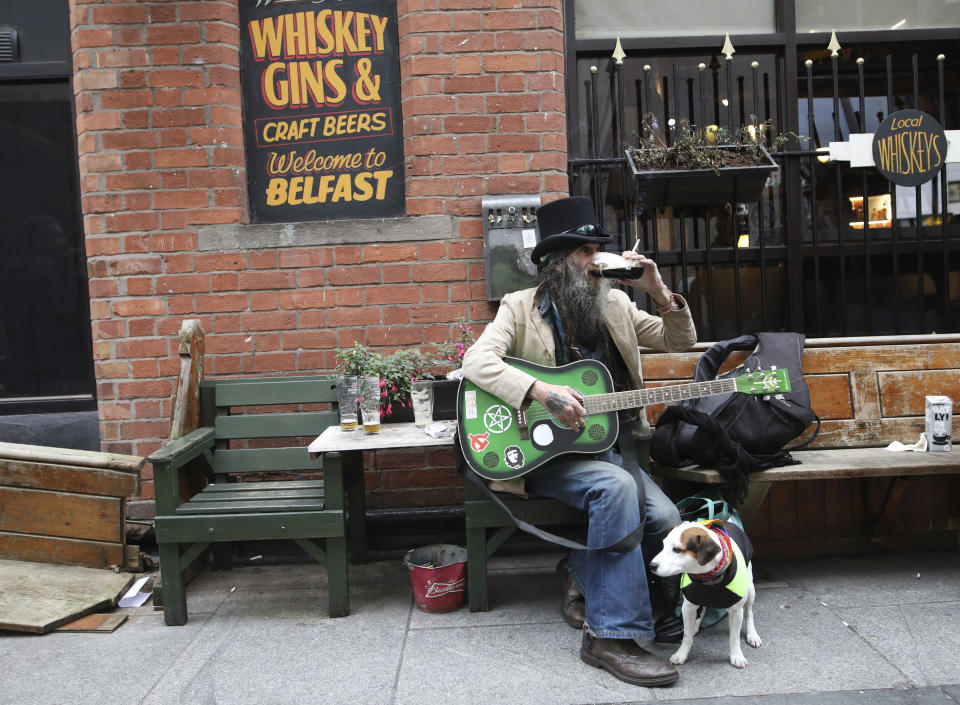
{"x":478,"y":441}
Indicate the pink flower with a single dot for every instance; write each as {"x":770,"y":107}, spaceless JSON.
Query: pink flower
{"x":393,"y":388}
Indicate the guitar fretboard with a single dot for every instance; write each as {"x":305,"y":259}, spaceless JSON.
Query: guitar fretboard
{"x":658,"y":395}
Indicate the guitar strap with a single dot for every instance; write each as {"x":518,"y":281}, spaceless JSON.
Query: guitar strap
{"x":624,"y":545}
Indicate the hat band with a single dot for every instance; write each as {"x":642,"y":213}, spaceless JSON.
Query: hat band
{"x":586,"y":231}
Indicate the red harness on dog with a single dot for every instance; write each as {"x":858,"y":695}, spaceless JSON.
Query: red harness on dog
{"x":720,"y":530}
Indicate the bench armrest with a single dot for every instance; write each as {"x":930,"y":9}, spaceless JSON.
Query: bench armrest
{"x":170,"y":489}
{"x":185,"y":448}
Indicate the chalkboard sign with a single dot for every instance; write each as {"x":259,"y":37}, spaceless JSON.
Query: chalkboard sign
{"x":321,"y":89}
{"x":909,"y":147}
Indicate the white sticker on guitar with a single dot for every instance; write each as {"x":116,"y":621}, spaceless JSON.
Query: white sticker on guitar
{"x":470,"y":404}
{"x":497,"y":418}
{"x":542,"y":435}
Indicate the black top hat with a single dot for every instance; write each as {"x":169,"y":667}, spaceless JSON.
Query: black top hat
{"x":567,"y":223}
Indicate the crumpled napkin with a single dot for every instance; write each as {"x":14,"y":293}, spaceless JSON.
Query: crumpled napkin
{"x":920,"y":446}
{"x":441,"y":429}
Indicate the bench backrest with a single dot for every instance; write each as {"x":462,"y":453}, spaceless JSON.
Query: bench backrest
{"x":263,"y":425}
{"x":866,"y":391}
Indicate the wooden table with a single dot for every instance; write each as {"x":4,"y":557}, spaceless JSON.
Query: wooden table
{"x":352,"y":444}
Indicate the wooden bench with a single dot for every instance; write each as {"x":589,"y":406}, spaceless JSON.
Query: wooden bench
{"x":250,"y":429}
{"x":868,"y":392}
{"x":59,"y":505}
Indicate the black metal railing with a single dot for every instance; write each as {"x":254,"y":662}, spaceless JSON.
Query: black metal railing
{"x":805,"y":256}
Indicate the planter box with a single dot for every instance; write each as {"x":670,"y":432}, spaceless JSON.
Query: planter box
{"x":678,"y":187}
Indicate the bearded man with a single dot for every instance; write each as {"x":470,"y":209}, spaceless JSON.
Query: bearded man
{"x":573,"y":315}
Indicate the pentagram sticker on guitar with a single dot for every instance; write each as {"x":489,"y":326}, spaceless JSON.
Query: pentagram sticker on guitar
{"x":497,"y":418}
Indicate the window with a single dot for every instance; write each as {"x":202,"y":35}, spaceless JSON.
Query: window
{"x":602,"y":19}
{"x":45,"y":349}
{"x":867,"y":15}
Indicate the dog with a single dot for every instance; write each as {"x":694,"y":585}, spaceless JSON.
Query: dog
{"x":714,"y":558}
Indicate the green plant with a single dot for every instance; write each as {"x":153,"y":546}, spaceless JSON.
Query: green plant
{"x":396,"y":371}
{"x":358,"y":361}
{"x":696,"y":148}
{"x":454,"y":350}
{"x":399,"y":369}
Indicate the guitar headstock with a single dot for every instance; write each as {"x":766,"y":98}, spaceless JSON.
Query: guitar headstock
{"x":764,"y":382}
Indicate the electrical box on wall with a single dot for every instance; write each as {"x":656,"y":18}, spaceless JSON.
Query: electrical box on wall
{"x":509,"y":235}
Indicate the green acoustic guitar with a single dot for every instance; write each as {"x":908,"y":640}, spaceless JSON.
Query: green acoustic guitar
{"x":500,"y":442}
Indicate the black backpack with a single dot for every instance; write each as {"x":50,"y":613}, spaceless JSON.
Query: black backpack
{"x":739,"y":433}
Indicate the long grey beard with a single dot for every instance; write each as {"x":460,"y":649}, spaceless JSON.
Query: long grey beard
{"x":580,"y":300}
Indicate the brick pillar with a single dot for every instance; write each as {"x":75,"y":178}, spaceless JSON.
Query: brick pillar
{"x":160,"y":152}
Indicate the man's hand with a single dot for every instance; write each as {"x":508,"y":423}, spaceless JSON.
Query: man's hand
{"x":565,"y":403}
{"x":650,"y":282}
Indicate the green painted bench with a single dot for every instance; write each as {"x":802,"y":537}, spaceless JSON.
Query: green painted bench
{"x":304,"y":500}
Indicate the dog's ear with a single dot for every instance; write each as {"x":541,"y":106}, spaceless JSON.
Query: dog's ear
{"x":702,"y":547}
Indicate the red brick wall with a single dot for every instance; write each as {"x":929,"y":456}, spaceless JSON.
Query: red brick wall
{"x":161,"y":154}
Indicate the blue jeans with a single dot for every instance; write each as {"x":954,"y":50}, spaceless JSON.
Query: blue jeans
{"x":614,"y":585}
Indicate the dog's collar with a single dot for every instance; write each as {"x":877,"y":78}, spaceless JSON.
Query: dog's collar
{"x":726,"y":557}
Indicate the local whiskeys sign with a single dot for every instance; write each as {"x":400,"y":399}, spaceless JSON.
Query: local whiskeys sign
{"x":321,"y":84}
{"x":909,"y":147}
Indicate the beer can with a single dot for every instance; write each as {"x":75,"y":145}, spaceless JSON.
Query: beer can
{"x":939,"y":423}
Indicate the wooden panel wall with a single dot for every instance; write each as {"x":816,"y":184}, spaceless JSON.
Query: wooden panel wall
{"x":866,"y":396}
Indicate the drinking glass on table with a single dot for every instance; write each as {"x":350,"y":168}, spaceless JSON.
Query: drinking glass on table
{"x":421,"y":394}
{"x":347,"y":401}
{"x":370,"y":404}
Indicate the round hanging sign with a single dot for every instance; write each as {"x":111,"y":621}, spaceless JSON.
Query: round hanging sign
{"x":909,"y":147}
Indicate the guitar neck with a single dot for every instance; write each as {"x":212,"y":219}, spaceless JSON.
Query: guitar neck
{"x":617,"y":401}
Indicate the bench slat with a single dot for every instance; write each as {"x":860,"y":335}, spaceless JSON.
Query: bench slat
{"x":281,"y":390}
{"x":243,"y":527}
{"x":836,"y":464}
{"x":192,"y":508}
{"x":304,"y":423}
{"x":264,"y":460}
{"x":254,"y":496}
{"x":265,"y":485}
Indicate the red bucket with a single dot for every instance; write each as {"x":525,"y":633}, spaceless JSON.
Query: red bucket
{"x":438,"y":574}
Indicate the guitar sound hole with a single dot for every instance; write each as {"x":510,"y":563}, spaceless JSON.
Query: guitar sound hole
{"x":491,"y":460}
{"x":596,"y":432}
{"x":589,"y":378}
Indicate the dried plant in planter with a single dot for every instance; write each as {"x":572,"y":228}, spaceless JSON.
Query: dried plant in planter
{"x":700,"y":166}
{"x":696,"y":148}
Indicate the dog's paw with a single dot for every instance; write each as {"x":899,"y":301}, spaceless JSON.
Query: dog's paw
{"x":678,"y":658}
{"x":754,"y":640}
{"x":738,"y":661}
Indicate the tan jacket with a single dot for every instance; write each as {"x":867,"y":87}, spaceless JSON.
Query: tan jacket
{"x":519,"y":330}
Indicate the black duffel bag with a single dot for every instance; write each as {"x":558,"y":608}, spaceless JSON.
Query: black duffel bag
{"x":739,"y":433}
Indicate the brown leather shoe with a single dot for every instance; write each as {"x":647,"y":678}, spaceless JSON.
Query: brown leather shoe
{"x":625,"y":660}
{"x":573,"y":608}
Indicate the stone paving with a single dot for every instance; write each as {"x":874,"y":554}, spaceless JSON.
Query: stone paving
{"x":882,"y":629}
